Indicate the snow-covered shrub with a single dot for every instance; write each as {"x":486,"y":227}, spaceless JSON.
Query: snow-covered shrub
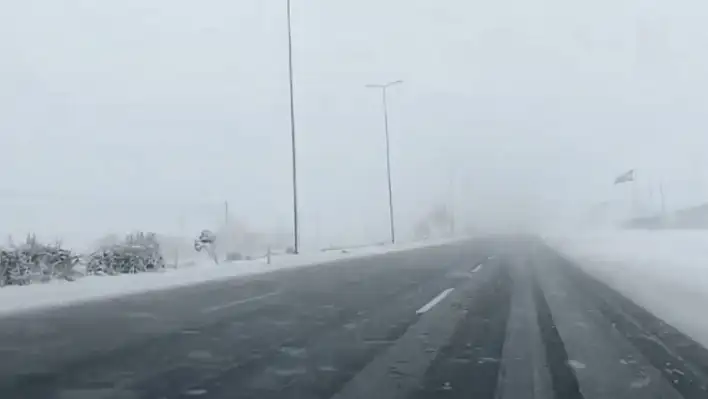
{"x":34,"y":261}
{"x":207,"y":242}
{"x":12,"y":270}
{"x":137,"y":253}
{"x":57,"y":263}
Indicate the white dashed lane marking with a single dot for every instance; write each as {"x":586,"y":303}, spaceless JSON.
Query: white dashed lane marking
{"x":237,"y":303}
{"x":434,"y":301}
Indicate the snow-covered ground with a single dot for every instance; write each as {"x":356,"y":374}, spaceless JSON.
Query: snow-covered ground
{"x":61,"y":293}
{"x":666,"y":272}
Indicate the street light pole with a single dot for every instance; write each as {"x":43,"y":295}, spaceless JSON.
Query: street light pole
{"x":384,"y":88}
{"x":296,"y":244}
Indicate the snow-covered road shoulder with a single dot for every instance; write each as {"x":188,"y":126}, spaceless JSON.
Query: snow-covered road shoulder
{"x":666,"y":272}
{"x":15,"y":299}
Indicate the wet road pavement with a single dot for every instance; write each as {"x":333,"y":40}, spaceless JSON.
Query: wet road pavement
{"x":504,"y":317}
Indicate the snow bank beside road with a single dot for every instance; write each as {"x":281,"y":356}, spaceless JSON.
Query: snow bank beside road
{"x":666,"y":272}
{"x":61,"y":293}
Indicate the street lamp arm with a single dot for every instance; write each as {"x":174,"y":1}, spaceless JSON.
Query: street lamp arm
{"x":385,"y":85}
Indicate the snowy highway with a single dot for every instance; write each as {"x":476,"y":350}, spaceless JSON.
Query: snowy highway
{"x":503,"y":317}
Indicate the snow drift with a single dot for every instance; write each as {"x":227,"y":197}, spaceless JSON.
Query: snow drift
{"x":664,"y":271}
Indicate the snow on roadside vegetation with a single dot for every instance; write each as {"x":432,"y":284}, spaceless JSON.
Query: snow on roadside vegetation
{"x":664,"y":271}
{"x":15,"y":299}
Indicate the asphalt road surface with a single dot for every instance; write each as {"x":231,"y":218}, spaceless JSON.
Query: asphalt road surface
{"x":504,"y":317}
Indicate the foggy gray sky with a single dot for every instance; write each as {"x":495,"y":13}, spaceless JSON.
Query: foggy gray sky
{"x":125,"y":114}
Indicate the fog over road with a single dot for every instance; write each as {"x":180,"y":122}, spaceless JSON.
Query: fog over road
{"x":502,"y":317}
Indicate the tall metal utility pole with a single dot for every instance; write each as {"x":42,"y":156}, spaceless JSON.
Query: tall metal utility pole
{"x":384,"y":88}
{"x":226,"y":215}
{"x":296,"y":240}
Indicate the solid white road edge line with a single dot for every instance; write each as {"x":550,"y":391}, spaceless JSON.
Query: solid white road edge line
{"x":434,"y":301}
{"x":476,"y":268}
{"x":236,"y":303}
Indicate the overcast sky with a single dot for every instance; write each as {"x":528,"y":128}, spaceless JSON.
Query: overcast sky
{"x":117,"y":115}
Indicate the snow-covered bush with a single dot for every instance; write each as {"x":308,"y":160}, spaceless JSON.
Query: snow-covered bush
{"x":207,"y":242}
{"x":12,"y":270}
{"x":33,"y":261}
{"x":137,"y":253}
